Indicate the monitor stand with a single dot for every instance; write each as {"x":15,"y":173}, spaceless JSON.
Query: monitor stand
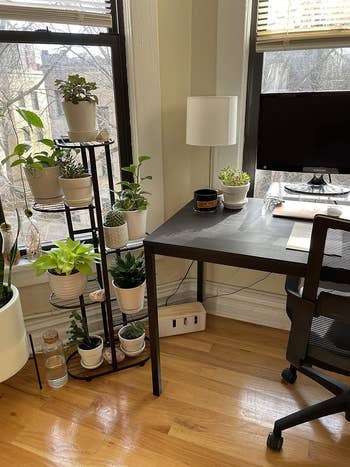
{"x":317,"y":186}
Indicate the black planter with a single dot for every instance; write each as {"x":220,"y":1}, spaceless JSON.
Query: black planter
{"x":205,"y":200}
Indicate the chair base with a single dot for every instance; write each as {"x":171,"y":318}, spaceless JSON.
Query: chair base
{"x":337,"y":404}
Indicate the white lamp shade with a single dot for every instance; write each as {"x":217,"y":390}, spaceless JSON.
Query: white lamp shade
{"x":211,"y":120}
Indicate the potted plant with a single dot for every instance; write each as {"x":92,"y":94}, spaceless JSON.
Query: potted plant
{"x":79,"y":105}
{"x":13,"y":337}
{"x":234,"y":185}
{"x":131,"y":200}
{"x":129,"y":282}
{"x":68,"y":267}
{"x":132,"y":338}
{"x":115,"y":230}
{"x":40,"y":162}
{"x":90,"y":347}
{"x":76,"y":183}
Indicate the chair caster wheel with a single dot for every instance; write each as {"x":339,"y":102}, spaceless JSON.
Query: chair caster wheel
{"x":289,"y":375}
{"x":274,"y":442}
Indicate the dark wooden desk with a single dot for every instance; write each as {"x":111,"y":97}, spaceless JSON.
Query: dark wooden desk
{"x":243,"y":238}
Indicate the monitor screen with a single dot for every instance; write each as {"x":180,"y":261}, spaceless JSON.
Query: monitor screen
{"x":307,"y":132}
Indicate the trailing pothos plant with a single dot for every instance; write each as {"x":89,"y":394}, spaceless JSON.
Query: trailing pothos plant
{"x":132,"y":196}
{"x":6,"y":279}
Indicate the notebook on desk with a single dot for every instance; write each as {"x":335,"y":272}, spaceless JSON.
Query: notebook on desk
{"x":306,"y":210}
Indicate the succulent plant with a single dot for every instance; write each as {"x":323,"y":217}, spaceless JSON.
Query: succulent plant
{"x":128,"y":272}
{"x":114,"y":219}
{"x":133,"y":330}
{"x":69,"y":167}
{"x":233,"y":177}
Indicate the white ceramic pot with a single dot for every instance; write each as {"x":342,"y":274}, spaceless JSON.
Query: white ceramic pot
{"x":116,"y":237}
{"x":81,"y":120}
{"x":77,"y":191}
{"x":131,"y":345}
{"x":136,"y":221}
{"x":44,"y":185}
{"x":13,"y":338}
{"x":92,"y":358}
{"x":130,"y":301}
{"x":67,"y":287}
{"x":235,"y":196}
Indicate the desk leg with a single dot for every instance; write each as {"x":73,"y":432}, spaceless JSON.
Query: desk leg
{"x":200,"y":268}
{"x":153,"y":319}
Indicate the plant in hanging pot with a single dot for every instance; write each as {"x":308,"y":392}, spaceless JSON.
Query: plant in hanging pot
{"x":79,"y":105}
{"x":129,"y":282}
{"x":132,"y":338}
{"x":235,"y":186}
{"x":90,"y":347}
{"x":115,"y":230}
{"x":68,"y":266}
{"x":76,"y":183}
{"x":131,"y":200}
{"x":13,"y":337}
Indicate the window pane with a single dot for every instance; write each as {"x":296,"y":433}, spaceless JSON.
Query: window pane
{"x":28,"y":73}
{"x":12,"y":25}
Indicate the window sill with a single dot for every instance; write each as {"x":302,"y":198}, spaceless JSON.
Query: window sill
{"x":23,"y":275}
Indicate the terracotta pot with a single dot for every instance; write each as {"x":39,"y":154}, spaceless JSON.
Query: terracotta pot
{"x":235,"y":196}
{"x":136,"y":221}
{"x":116,"y":237}
{"x":130,"y":301}
{"x":13,"y":338}
{"x":130,"y":345}
{"x":81,"y":120}
{"x":67,"y":287}
{"x":77,"y":191}
{"x":44,"y":185}
{"x":92,"y":358}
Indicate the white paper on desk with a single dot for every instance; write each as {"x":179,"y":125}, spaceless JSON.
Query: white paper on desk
{"x":300,"y":239}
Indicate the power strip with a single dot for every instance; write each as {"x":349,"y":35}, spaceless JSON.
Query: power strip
{"x":181,"y":319}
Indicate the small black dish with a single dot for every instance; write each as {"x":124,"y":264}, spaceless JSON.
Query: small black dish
{"x":205,"y":200}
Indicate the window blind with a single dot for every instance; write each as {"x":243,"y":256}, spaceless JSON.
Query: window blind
{"x":302,"y":24}
{"x":83,"y":12}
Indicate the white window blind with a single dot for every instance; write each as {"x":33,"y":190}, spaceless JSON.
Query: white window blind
{"x":302,"y":24}
{"x":83,"y":12}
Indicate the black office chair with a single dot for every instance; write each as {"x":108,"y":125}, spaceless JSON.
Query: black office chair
{"x":320,"y":327}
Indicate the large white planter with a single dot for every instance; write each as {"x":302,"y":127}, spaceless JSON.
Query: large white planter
{"x":77,"y":191}
{"x":131,"y":345}
{"x":116,"y":237}
{"x":235,"y":196}
{"x":44,"y":185}
{"x":136,"y":221}
{"x":13,"y":338}
{"x":67,"y":287}
{"x":91,"y":358}
{"x":81,"y":120}
{"x":130,"y":301}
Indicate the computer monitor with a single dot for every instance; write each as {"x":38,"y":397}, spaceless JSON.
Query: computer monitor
{"x":306,"y":132}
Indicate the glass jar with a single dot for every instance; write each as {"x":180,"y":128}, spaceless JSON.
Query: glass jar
{"x":8,"y":238}
{"x":31,"y":236}
{"x":55,"y":363}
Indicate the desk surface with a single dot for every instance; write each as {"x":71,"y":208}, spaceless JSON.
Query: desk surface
{"x":244,"y":238}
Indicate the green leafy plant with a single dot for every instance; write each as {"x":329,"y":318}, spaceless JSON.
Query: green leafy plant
{"x":70,"y":256}
{"x":233,"y":177}
{"x":132,"y":196}
{"x":69,"y":167}
{"x":128,"y":272}
{"x":133,"y":330}
{"x":78,"y":333}
{"x":76,"y":89}
{"x":114,"y":219}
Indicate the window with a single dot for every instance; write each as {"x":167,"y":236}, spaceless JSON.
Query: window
{"x":30,"y":62}
{"x":298,"y":27}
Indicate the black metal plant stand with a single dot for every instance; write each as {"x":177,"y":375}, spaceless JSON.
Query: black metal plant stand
{"x":111,"y":315}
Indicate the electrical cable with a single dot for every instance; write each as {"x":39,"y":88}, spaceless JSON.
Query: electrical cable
{"x":180,"y":284}
{"x":239,"y":290}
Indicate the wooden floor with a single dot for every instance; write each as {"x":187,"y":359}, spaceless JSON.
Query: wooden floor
{"x":222,"y":393}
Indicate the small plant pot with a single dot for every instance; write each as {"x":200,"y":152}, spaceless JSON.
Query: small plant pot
{"x":235,"y":197}
{"x":77,"y":191}
{"x":91,"y":358}
{"x":81,"y":120}
{"x":130,"y":301}
{"x":136,"y":221}
{"x":131,"y":346}
{"x":116,"y":237}
{"x":44,"y":185}
{"x":67,"y":287}
{"x":13,"y":338}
